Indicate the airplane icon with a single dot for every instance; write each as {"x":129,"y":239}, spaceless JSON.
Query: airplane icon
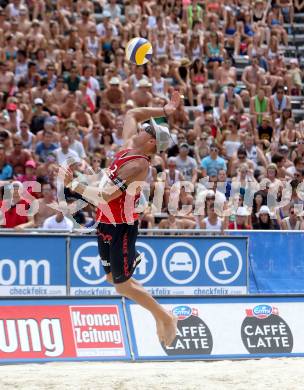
{"x":94,"y":262}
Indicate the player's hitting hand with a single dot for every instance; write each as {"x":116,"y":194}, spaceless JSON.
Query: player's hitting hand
{"x":173,"y":104}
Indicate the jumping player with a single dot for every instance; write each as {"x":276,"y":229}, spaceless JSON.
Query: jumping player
{"x":116,"y":199}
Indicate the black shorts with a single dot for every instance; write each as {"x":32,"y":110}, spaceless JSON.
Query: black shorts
{"x":117,"y":251}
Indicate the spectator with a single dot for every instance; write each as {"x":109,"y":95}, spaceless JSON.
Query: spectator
{"x":26,"y":136}
{"x":185,"y":164}
{"x":46,"y":146}
{"x":241,"y":218}
{"x":39,"y":116}
{"x":18,"y":157}
{"x":64,"y":153}
{"x":6,"y":170}
{"x":259,"y":200}
{"x":240,"y":158}
{"x":58,"y":221}
{"x":264,"y":132}
{"x":278,"y":102}
{"x":212,"y":162}
{"x":114,"y":95}
{"x":13,"y":211}
{"x":293,"y":221}
{"x":252,"y":76}
{"x":44,"y":210}
{"x":74,"y":144}
{"x":142,"y":96}
{"x":259,"y":107}
{"x":212,"y":222}
{"x":265,"y":222}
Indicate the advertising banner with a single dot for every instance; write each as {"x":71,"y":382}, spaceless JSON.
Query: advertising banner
{"x":214,"y":328}
{"x":276,"y":262}
{"x":62,"y":330}
{"x":169,"y":266}
{"x":33,"y":266}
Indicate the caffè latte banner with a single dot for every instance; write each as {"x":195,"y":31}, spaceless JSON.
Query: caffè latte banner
{"x":219,"y":328}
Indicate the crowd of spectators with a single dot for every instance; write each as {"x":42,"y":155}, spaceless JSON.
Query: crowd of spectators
{"x":65,"y":87}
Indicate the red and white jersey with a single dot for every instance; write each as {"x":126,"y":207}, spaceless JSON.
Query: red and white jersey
{"x":120,"y":209}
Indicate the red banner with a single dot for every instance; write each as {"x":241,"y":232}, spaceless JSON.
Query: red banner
{"x":63,"y":331}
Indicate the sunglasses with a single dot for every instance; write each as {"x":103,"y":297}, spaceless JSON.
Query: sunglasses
{"x":150,"y":131}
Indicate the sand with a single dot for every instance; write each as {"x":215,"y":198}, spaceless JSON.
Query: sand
{"x":270,"y":374}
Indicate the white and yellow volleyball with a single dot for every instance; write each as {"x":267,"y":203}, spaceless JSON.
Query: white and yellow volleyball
{"x":139,"y":51}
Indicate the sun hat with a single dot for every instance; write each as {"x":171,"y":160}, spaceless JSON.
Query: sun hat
{"x":242,"y":212}
{"x":264,"y":210}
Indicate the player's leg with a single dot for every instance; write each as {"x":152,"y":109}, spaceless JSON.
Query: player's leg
{"x":165,"y":321}
{"x":124,"y":258}
{"x":103,"y":240}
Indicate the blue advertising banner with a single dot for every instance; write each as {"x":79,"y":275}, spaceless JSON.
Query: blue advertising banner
{"x":33,"y":266}
{"x":178,"y":266}
{"x":276,"y":262}
{"x":62,"y":329}
{"x":221,"y":328}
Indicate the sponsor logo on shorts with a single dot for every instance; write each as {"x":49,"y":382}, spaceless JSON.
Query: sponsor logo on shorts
{"x":105,"y":263}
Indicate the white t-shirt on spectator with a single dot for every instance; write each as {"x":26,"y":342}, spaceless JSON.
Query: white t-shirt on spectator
{"x":186,"y":166}
{"x":78,"y":148}
{"x":62,"y":157}
{"x":51,"y":223}
{"x":92,"y":83}
{"x":292,"y":170}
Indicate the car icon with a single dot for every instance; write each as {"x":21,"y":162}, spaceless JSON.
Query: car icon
{"x":180,"y":261}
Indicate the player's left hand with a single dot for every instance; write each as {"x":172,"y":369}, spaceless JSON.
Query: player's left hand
{"x":173,"y":104}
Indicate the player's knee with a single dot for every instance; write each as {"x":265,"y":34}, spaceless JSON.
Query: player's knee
{"x":123,"y":288}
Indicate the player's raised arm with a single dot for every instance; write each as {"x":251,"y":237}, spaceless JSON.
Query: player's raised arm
{"x":141,"y":114}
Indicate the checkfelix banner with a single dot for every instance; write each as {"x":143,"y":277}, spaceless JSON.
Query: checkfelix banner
{"x":33,"y":266}
{"x":62,"y":330}
{"x":169,"y":266}
{"x":214,"y":328}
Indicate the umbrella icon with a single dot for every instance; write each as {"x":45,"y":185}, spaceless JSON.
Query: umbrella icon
{"x":222,"y":256}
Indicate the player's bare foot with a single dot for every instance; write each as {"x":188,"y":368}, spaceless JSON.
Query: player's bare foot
{"x":166,"y":330}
